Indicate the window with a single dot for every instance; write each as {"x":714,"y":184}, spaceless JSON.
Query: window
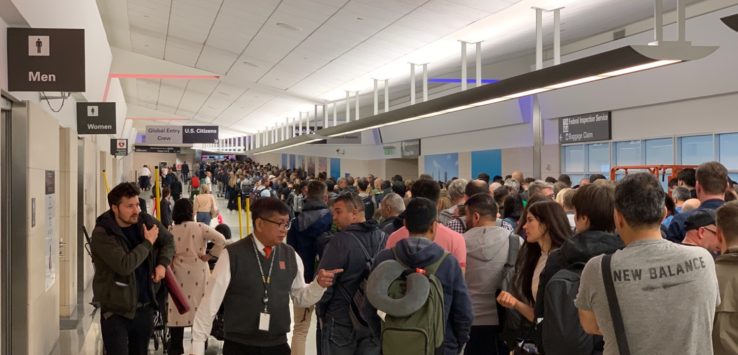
{"x":599,"y":158}
{"x":660,"y":151}
{"x":729,"y":150}
{"x":574,"y":158}
{"x":628,"y":153}
{"x":696,"y":150}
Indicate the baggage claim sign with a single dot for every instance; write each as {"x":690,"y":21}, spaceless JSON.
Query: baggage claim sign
{"x":181,"y":134}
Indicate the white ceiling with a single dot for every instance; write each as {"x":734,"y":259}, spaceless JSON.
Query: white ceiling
{"x":276,"y":57}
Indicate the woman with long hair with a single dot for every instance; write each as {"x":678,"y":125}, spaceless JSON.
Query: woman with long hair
{"x":546,"y":227}
{"x":190,"y":267}
{"x":205,"y":206}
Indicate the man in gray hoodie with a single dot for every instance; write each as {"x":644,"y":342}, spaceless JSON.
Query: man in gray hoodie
{"x":486,"y":253}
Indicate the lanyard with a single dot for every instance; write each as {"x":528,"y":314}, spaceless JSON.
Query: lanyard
{"x":265,"y":279}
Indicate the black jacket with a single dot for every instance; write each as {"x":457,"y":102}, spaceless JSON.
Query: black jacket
{"x":343,"y":252}
{"x":391,"y":224}
{"x":114,"y":283}
{"x":314,"y":220}
{"x":572,"y":255}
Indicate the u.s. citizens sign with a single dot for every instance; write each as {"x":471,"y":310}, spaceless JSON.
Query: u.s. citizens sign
{"x":200,"y":134}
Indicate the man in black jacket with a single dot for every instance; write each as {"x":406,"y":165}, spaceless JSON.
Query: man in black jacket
{"x":314,"y":220}
{"x":348,"y":250}
{"x":131,"y":251}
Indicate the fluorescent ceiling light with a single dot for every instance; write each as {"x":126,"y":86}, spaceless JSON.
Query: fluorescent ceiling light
{"x":604,"y":65}
{"x":285,"y":144}
{"x":621,"y":61}
{"x":731,"y":21}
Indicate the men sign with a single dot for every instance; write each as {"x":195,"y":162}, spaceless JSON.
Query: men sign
{"x":46,"y":59}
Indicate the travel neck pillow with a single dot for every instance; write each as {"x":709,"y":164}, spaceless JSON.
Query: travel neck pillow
{"x":378,"y":284}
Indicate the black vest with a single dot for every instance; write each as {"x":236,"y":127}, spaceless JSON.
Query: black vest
{"x":244,"y":298}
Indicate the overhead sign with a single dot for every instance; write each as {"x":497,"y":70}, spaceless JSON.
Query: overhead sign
{"x":410,"y":149}
{"x":163,"y":135}
{"x":96,"y":117}
{"x":155,"y":149}
{"x":119,"y":147}
{"x":200,"y":134}
{"x":589,"y":127}
{"x":46,"y":59}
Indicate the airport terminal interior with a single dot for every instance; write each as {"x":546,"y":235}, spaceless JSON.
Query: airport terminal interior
{"x":277,"y":122}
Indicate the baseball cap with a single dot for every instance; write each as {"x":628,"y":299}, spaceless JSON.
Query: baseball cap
{"x":699,"y":218}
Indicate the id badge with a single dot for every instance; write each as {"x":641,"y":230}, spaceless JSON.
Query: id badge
{"x":264,"y":322}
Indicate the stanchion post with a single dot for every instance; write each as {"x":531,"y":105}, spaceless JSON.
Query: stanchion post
{"x":105,"y":181}
{"x":156,"y":193}
{"x":240,"y":224}
{"x":248,"y":216}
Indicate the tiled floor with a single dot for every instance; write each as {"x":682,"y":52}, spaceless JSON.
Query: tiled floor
{"x":89,"y":341}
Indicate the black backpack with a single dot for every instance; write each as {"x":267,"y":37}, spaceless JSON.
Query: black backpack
{"x":361,"y":312}
{"x":368,"y":207}
{"x":561,"y":331}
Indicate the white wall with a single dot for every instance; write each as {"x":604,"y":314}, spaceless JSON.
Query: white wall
{"x":407,"y":168}
{"x":42,"y":304}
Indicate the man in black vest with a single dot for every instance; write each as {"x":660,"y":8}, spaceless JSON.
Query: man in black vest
{"x":254,"y":280}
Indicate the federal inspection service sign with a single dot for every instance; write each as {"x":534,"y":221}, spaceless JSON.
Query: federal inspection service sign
{"x":46,"y":59}
{"x":119,"y":147}
{"x":96,"y":117}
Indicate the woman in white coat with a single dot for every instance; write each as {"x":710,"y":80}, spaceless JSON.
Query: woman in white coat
{"x":190,"y":266}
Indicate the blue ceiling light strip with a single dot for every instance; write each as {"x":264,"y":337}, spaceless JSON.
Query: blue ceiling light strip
{"x":458,"y":81}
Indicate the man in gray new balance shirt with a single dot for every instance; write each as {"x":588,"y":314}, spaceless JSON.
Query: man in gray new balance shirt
{"x":667,"y":292}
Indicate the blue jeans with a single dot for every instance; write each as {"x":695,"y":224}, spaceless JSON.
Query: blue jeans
{"x":204,"y":217}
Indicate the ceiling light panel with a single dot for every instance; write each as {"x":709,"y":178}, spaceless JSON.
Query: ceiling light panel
{"x":191,"y":19}
{"x":216,"y":60}
{"x":182,"y":51}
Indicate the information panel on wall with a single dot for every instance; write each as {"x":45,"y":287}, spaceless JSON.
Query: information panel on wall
{"x":200,"y":134}
{"x":596,"y":126}
{"x":46,"y":59}
{"x":96,"y":117}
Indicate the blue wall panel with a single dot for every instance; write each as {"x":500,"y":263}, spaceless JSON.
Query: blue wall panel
{"x":486,"y":161}
{"x":335,"y":168}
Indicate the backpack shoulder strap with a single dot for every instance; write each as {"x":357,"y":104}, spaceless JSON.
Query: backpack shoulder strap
{"x":361,"y":245}
{"x":612,"y":301}
{"x":432,"y":268}
{"x":513,"y":248}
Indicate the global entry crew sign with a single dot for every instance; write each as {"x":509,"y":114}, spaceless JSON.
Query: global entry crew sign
{"x":200,"y":134}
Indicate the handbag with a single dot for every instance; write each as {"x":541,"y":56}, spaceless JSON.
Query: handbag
{"x":175,"y":291}
{"x":518,"y":334}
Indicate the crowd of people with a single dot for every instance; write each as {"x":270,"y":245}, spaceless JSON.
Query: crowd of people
{"x":489,"y":266}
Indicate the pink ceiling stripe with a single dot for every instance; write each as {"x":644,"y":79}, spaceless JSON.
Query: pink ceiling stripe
{"x":165,"y":76}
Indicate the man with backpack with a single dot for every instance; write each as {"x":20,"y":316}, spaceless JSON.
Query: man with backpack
{"x":342,"y":323}
{"x":559,"y":281}
{"x":448,"y":322}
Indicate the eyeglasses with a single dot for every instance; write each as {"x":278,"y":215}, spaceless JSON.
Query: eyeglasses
{"x":713,"y":231}
{"x":285,"y":226}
